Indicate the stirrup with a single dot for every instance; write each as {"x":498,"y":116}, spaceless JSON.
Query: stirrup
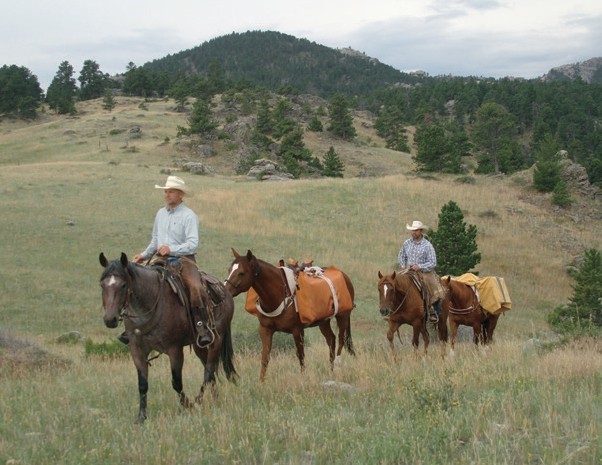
{"x":434,"y":318}
{"x":199,"y":338}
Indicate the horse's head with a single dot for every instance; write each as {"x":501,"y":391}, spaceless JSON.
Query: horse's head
{"x":386,"y":292}
{"x":242,"y":273}
{"x":115,"y":288}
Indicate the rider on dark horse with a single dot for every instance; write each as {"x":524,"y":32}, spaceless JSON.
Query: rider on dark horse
{"x":419,"y":255}
{"x":175,"y":238}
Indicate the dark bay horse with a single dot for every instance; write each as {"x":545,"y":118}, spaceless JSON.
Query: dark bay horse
{"x":464,"y":309}
{"x":401,"y":303}
{"x":266,"y":279}
{"x":155,"y":319}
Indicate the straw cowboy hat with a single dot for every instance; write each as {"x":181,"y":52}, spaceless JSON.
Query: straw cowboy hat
{"x":292,"y":262}
{"x":416,"y":225}
{"x":174,"y":182}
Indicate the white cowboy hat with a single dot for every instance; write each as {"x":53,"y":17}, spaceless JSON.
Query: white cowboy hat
{"x":415,"y":226}
{"x":174,"y":182}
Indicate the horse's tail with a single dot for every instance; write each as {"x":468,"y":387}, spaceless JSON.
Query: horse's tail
{"x":348,"y":340}
{"x":227,"y":356}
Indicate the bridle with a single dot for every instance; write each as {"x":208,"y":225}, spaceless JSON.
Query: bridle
{"x":398,"y":308}
{"x":256,"y":270}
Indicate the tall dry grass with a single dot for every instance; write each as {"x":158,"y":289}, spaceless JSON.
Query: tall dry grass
{"x":527,"y":399}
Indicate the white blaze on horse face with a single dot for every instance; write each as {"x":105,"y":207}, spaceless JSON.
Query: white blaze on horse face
{"x":112,"y":281}
{"x":234,"y":268}
{"x":385,"y":290}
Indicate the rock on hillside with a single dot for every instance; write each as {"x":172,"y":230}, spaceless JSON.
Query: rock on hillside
{"x":590,"y":71}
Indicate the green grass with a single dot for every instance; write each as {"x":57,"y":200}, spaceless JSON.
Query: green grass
{"x":526,"y":399}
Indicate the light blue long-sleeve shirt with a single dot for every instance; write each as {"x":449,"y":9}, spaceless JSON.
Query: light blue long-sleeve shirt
{"x":418,"y":253}
{"x":178,"y":229}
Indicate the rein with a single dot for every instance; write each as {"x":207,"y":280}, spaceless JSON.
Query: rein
{"x":154,"y":314}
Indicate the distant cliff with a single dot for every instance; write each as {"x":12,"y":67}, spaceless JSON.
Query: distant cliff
{"x":589,"y":71}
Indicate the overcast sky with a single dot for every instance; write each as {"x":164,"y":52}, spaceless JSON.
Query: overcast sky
{"x":492,"y":38}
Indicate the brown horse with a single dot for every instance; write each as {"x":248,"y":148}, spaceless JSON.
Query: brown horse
{"x":266,"y":279}
{"x":156,"y":319}
{"x":464,"y":309}
{"x":401,"y":303}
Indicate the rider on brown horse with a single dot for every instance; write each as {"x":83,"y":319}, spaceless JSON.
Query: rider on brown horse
{"x":419,"y":255}
{"x":175,"y":237}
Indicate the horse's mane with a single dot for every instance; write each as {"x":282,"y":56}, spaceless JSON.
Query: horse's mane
{"x":115,"y":267}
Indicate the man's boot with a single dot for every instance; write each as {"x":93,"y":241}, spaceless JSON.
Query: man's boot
{"x":435,"y":312}
{"x":204,"y":335}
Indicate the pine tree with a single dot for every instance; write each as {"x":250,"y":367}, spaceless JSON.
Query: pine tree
{"x":341,"y":121}
{"x":546,"y":173}
{"x":108,"y":101}
{"x":200,"y":121}
{"x":455,"y":242}
{"x":20,"y":92}
{"x":62,"y":90}
{"x":315,"y":125}
{"x":585,"y":307}
{"x":333,"y":166}
{"x":92,"y":81}
{"x":561,"y":195}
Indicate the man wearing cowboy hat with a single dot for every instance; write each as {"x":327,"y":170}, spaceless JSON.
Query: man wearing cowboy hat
{"x":176,"y":236}
{"x":418,"y":254}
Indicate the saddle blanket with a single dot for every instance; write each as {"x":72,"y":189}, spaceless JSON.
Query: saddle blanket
{"x":492,"y":292}
{"x":315,"y":298}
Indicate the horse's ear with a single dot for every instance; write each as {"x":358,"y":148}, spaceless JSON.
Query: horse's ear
{"x":235,"y":253}
{"x":124,"y":260}
{"x":448,"y":279}
{"x":281,"y":262}
{"x":103,"y":260}
{"x":394,"y":274}
{"x":379,"y":275}
{"x":249,"y":255}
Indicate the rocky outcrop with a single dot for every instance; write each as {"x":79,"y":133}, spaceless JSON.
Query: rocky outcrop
{"x":589,"y":71}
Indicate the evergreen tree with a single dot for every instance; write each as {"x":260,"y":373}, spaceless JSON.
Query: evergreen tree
{"x":108,"y":101}
{"x":333,"y":165}
{"x":200,"y":120}
{"x":264,"y":123}
{"x":493,"y":133}
{"x":455,"y":242}
{"x":137,"y":81}
{"x":561,"y":195}
{"x":62,"y":90}
{"x":315,"y":125}
{"x":20,"y":92}
{"x":585,"y":307}
{"x":431,"y":147}
{"x":341,"y":121}
{"x":92,"y":81}
{"x":546,"y":173}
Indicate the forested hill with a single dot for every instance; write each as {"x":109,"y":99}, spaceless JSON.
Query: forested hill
{"x":274,"y":60}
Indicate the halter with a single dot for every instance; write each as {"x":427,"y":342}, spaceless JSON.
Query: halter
{"x":151,"y":322}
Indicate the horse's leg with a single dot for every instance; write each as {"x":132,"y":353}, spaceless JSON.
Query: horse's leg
{"x":298,"y":336}
{"x":142,"y":370}
{"x":343,"y":323}
{"x":478,"y":335}
{"x":453,"y":325}
{"x":416,"y":331}
{"x":393,"y":327}
{"x":328,"y":334}
{"x":425,"y":336}
{"x":176,"y":361}
{"x":266,"y":335}
{"x":209,"y":357}
{"x":442,"y":329}
{"x":491,"y":323}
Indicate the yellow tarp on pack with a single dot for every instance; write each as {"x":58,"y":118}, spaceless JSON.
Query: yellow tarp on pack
{"x":493,"y":293}
{"x":314,"y":297}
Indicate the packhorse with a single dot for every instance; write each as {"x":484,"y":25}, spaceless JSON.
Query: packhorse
{"x":402,"y":302}
{"x":157,"y":319}
{"x":464,"y":308}
{"x":279,"y":312}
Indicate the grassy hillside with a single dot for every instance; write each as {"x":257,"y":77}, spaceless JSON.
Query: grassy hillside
{"x":73,"y":187}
